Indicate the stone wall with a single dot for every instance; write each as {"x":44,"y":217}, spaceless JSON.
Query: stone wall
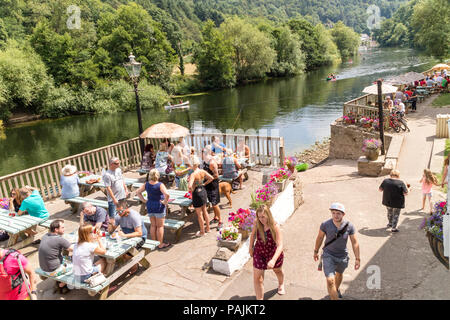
{"x":298,"y":191}
{"x":346,"y":141}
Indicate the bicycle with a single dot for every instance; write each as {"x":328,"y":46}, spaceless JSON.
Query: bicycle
{"x":394,"y":123}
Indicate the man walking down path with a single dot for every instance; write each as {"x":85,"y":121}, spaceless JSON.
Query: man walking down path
{"x":394,"y":192}
{"x":335,"y":255}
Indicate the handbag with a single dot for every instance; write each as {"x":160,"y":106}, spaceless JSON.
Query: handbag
{"x":96,"y":280}
{"x":338,"y":234}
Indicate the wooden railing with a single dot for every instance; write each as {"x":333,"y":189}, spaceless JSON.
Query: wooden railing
{"x":359,"y":108}
{"x":45,"y":177}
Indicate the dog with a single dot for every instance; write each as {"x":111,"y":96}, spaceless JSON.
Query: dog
{"x":225,"y":190}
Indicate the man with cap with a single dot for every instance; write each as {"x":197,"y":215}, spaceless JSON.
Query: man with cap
{"x":335,"y":255}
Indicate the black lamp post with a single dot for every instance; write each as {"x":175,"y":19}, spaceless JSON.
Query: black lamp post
{"x":134,"y":69}
{"x":380,"y":115}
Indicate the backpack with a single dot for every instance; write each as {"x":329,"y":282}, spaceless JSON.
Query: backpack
{"x":9,"y":282}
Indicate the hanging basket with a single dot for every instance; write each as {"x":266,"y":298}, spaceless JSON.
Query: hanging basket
{"x":437,"y":246}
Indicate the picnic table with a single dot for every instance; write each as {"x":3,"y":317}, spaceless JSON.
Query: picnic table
{"x":17,"y":226}
{"x":115,"y":249}
{"x":176,"y":197}
{"x":87,"y":188}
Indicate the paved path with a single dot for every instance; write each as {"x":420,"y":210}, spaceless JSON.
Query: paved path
{"x":408,"y":268}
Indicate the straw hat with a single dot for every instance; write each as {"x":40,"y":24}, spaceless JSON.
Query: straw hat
{"x":69,"y":170}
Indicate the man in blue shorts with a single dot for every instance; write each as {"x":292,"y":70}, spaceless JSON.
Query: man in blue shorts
{"x":335,"y":255}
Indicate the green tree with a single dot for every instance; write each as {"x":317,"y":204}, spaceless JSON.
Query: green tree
{"x":346,"y":39}
{"x":290,"y":59}
{"x":24,"y":83}
{"x":253,"y":57}
{"x":327,"y":50}
{"x":430,"y":23}
{"x":214,"y":59}
{"x":131,"y":29}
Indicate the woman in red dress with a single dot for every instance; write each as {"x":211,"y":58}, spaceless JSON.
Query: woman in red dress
{"x":267,"y":252}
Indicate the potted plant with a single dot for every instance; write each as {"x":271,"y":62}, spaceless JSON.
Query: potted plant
{"x":433,"y":226}
{"x":301,"y":166}
{"x":279,"y":178}
{"x":229,"y":237}
{"x":366,"y":122}
{"x":371,"y":149}
{"x":376,"y":124}
{"x":243,"y":219}
{"x":290,"y":163}
{"x":265,"y":195}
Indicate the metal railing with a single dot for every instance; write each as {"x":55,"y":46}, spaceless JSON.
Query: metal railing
{"x":263,"y":151}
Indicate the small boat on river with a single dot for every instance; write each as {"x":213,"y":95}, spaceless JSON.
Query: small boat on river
{"x":183,"y":105}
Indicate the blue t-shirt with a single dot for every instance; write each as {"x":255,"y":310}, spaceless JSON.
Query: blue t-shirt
{"x":100,"y":215}
{"x":217,"y":150}
{"x":34,"y":205}
{"x":339,"y":247}
{"x":69,"y":186}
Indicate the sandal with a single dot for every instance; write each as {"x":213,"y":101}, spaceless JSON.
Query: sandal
{"x":165,"y":246}
{"x":213,"y":221}
{"x":198,"y":234}
{"x":281,"y":291}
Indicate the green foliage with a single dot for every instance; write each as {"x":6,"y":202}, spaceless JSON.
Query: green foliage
{"x":182,"y":85}
{"x":214,"y":59}
{"x":301,"y":167}
{"x":290,"y":60}
{"x":431,"y":28}
{"x":316,"y":42}
{"x":346,"y":39}
{"x":253,"y":56}
{"x":24,"y":82}
{"x":131,"y":29}
{"x":442,"y":101}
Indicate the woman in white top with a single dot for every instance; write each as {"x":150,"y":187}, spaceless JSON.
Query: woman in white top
{"x":88,"y":245}
{"x":69,"y":182}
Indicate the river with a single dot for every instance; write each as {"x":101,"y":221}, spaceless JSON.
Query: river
{"x":301,"y":107}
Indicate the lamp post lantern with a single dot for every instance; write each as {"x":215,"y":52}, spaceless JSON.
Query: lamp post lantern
{"x":134,"y":69}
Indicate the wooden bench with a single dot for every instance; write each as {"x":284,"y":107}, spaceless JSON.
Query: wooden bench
{"x":69,"y":278}
{"x":171,"y":224}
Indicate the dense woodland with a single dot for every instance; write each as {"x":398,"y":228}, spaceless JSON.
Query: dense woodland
{"x":422,"y":24}
{"x":50,"y":69}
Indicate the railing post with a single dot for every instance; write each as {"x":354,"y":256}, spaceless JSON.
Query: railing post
{"x":281,"y":152}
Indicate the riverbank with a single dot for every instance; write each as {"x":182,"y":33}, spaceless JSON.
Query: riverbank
{"x":315,"y":154}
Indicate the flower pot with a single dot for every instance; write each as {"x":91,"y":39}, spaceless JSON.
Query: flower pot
{"x":437,"y":247}
{"x":245,"y":234}
{"x":230,"y":244}
{"x":372,"y":154}
{"x":281,"y":185}
{"x":291,"y":169}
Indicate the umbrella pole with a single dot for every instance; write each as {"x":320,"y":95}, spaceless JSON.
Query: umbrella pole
{"x":380,"y":116}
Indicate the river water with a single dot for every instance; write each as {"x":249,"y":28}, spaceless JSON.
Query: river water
{"x":301,"y":108}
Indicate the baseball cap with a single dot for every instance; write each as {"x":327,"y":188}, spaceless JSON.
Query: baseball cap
{"x":337,"y":206}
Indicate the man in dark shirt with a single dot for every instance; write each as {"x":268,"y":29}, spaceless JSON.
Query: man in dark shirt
{"x":394,"y":192}
{"x":97,"y":216}
{"x":50,"y":252}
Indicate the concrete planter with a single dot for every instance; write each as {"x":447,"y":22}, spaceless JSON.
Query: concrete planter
{"x":282,"y":208}
{"x":281,"y":185}
{"x":230,"y":244}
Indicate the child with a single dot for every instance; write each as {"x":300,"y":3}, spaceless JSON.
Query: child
{"x":428,"y":179}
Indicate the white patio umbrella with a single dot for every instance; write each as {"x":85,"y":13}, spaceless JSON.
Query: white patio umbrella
{"x":441,"y":66}
{"x":165,"y":130}
{"x":385,"y":89}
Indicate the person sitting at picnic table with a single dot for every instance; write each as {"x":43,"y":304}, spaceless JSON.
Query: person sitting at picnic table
{"x":157,"y":199}
{"x":199,"y":197}
{"x":218,"y":148}
{"x":131,"y":225}
{"x":89,"y":244}
{"x":242,"y":150}
{"x":430,"y":82}
{"x":230,"y":168}
{"x":401,"y":109}
{"x":14,"y":199}
{"x":12,"y":283}
{"x":96,"y":216}
{"x":162,"y":158}
{"x":116,"y":189}
{"x":32,"y":203}
{"x":423,"y":83}
{"x":182,"y":169}
{"x":399,"y":94}
{"x":50,"y":253}
{"x":69,"y":182}
{"x":388,"y":104}
{"x":148,"y":158}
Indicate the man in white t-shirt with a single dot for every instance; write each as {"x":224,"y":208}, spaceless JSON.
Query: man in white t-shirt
{"x":116,"y":189}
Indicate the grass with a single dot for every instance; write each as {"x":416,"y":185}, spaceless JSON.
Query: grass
{"x":442,"y":101}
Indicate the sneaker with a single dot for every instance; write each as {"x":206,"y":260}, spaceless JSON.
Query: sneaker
{"x":339,"y":294}
{"x":394,"y":230}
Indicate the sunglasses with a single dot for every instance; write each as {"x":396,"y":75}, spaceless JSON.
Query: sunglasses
{"x":116,"y":163}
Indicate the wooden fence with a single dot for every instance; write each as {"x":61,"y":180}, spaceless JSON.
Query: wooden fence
{"x":359,"y":107}
{"x":45,"y":177}
{"x":441,"y":125}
